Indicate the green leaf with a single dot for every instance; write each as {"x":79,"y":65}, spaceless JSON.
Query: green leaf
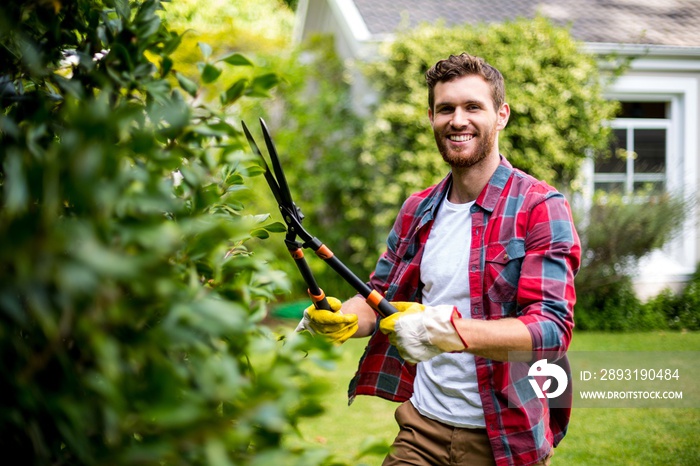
{"x":147,"y":20}
{"x":192,"y":174}
{"x":209,"y":130}
{"x":107,"y":262}
{"x":257,"y":218}
{"x":187,"y":84}
{"x":170,"y":45}
{"x":122,"y":8}
{"x":148,"y":27}
{"x":262,"y":84}
{"x":165,"y":66}
{"x":277,"y":227}
{"x":237,"y":59}
{"x":254,"y":170}
{"x":260,"y":233}
{"x":210,"y":73}
{"x":223,"y":128}
{"x":159,"y":90}
{"x":234,"y":92}
{"x":15,"y":183}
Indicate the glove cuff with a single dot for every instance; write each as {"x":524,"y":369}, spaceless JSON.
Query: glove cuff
{"x":441,"y":330}
{"x":456,"y":315}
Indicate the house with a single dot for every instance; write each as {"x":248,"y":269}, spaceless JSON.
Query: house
{"x":660,"y":92}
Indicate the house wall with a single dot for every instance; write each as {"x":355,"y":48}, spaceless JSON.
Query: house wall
{"x":318,"y":18}
{"x":338,"y":18}
{"x":353,"y":42}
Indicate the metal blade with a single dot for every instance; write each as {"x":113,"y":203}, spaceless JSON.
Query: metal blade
{"x":271,"y":181}
{"x":274,"y":158}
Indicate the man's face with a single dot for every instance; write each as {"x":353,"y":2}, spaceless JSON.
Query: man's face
{"x":464,"y":121}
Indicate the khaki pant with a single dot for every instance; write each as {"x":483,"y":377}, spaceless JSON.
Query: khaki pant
{"x":424,"y":442}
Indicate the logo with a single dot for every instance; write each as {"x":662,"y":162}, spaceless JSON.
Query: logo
{"x":542,"y":369}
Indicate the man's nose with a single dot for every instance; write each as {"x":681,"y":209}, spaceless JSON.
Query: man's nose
{"x":460,"y":119}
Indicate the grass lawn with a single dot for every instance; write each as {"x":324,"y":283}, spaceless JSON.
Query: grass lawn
{"x":597,"y":436}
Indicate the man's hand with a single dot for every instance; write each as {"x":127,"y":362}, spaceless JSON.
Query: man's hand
{"x":334,"y":325}
{"x":421,"y":333}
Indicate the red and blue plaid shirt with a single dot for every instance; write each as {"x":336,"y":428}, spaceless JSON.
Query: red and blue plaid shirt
{"x":524,"y":254}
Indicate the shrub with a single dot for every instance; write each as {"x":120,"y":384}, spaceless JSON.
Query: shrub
{"x":680,"y":311}
{"x":611,"y":307}
{"x":688,"y":312}
{"x":616,"y":233}
{"x":130,"y":301}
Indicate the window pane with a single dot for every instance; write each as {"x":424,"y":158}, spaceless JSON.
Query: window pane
{"x":613,"y":161}
{"x":649,"y":187}
{"x":643,"y":110}
{"x":610,"y":187}
{"x":650,"y":147}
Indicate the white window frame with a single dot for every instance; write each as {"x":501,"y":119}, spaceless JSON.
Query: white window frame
{"x":630,"y":176}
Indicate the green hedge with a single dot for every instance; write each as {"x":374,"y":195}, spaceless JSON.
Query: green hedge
{"x":131,"y":303}
{"x":615,"y":307}
{"x":679,"y":311}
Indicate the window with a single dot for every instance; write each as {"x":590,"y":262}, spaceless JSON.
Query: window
{"x":658,"y":128}
{"x":637,"y":157}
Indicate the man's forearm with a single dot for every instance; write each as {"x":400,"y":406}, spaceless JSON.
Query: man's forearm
{"x":494,"y":339}
{"x":366,"y":317}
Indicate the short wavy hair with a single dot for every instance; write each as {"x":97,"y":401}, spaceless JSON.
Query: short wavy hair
{"x":464,"y":64}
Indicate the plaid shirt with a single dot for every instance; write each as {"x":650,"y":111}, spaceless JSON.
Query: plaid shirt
{"x":524,"y":254}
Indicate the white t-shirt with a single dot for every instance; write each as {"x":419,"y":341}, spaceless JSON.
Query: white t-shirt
{"x":446,"y":387}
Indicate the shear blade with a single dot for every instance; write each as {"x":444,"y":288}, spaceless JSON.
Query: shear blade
{"x":277,"y":167}
{"x":271,"y":181}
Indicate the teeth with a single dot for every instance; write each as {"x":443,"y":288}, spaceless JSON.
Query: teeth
{"x":461,"y":137}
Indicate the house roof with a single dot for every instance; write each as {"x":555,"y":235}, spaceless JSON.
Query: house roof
{"x":666,"y":23}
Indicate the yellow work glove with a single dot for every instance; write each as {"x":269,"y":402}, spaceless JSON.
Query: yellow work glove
{"x":334,"y":325}
{"x":421,"y":333}
{"x":387,"y":324}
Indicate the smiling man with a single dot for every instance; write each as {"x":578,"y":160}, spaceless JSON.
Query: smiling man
{"x":480,"y":265}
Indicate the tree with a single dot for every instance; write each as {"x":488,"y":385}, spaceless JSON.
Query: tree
{"x":555,"y":91}
{"x":130,"y":302}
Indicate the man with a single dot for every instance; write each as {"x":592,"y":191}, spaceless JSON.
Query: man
{"x":491,"y":254}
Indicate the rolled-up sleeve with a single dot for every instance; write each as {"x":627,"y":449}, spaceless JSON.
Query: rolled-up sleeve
{"x":546,"y":292}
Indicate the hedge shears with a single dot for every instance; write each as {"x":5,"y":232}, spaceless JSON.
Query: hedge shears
{"x":292,"y":216}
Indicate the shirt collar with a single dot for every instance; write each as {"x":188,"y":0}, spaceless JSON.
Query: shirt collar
{"x":486,"y":200}
{"x":492,"y":191}
{"x":431,"y":203}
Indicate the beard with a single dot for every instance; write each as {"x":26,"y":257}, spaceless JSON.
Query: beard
{"x":467,"y":156}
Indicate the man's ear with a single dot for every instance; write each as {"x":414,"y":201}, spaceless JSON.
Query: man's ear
{"x":503,"y":116}
{"x":430,"y":115}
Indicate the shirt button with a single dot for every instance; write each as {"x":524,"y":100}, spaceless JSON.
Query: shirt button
{"x":473,"y":268}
